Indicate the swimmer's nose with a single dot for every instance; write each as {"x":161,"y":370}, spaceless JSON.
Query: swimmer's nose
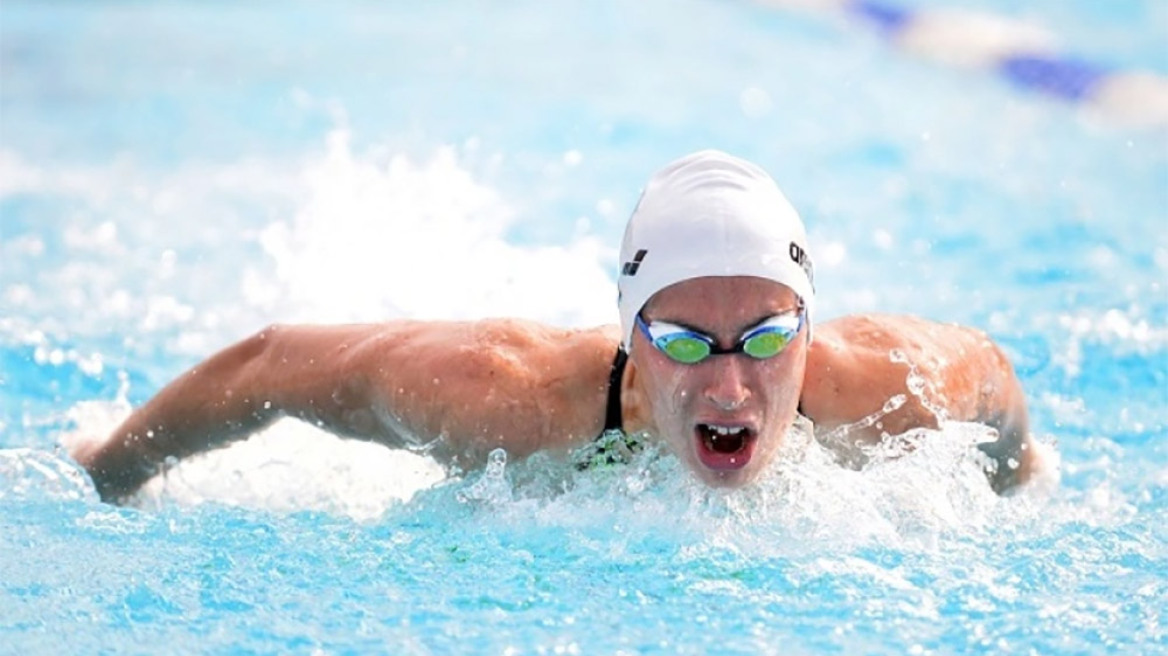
{"x":727,"y":388}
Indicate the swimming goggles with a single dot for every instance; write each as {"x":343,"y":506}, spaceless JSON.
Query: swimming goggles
{"x":688,"y":346}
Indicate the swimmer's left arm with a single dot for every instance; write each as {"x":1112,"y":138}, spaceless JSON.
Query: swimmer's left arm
{"x":878,"y":374}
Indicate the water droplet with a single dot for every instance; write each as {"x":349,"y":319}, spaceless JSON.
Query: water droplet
{"x":894,"y":403}
{"x":497,"y":459}
{"x":492,"y":487}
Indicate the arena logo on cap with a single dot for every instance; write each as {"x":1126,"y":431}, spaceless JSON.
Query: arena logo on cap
{"x":630,"y":268}
{"x":800,"y":257}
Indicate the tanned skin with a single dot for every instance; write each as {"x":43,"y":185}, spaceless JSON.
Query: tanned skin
{"x":465,"y":388}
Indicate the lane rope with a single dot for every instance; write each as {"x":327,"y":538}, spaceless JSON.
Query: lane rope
{"x":1023,"y":54}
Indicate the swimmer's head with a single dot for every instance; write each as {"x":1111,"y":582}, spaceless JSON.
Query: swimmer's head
{"x":727,"y":417}
{"x":710,"y":214}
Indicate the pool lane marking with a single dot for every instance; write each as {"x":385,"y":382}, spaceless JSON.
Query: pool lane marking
{"x":1024,"y":54}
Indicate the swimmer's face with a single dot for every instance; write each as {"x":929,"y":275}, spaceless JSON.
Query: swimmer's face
{"x":727,"y":416}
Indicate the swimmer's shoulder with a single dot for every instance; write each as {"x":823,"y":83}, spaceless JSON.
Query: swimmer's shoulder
{"x":413,"y":351}
{"x":487,"y":333}
{"x":874,"y":334}
{"x":857,"y":362}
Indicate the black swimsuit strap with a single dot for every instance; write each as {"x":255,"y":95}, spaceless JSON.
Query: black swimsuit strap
{"x":612,"y":414}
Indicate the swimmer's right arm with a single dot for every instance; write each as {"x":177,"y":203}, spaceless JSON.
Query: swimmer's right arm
{"x":465,"y":388}
{"x":226,"y":397}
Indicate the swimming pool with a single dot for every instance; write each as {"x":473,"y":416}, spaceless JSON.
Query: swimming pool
{"x":174,"y":176}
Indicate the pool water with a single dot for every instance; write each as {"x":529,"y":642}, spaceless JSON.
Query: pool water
{"x":175,"y":176}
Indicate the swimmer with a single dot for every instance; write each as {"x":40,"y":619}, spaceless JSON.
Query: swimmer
{"x":717,"y":352}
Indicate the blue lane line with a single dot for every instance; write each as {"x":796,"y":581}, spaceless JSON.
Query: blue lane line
{"x":1066,"y":77}
{"x":889,"y":18}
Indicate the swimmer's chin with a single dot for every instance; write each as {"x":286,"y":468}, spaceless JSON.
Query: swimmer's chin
{"x":738,"y":477}
{"x":727,"y":480}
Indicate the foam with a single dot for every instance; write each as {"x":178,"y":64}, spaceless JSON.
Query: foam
{"x":288,"y":467}
{"x":28,"y":474}
{"x":352,"y":236}
{"x":907,"y":498}
{"x":292,"y":466}
{"x":420,"y":239}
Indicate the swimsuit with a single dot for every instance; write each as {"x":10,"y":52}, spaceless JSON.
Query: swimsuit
{"x":612,"y":414}
{"x":613,"y":446}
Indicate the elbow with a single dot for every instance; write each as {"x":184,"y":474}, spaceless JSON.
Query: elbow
{"x":257,"y":353}
{"x":226,"y":366}
{"x":265,"y":341}
{"x":240,"y":377}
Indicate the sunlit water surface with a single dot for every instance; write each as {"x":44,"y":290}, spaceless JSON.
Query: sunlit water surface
{"x":175,"y":176}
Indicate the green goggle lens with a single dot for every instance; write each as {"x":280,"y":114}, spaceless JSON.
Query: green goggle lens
{"x":766,"y":345}
{"x":684,"y":348}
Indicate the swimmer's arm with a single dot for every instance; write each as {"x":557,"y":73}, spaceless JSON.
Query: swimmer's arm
{"x":459,"y":390}
{"x":236,"y":392}
{"x":462,"y":389}
{"x":856,"y":385}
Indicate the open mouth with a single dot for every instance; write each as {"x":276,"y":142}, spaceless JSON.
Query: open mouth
{"x":724,"y":447}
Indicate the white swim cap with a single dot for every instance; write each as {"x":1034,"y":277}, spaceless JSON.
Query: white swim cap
{"x":710,"y":214}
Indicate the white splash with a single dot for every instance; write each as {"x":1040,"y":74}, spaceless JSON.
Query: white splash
{"x":293,"y":466}
{"x":423,"y":240}
{"x":287,"y":467}
{"x":30,"y":474}
{"x":204,"y":254}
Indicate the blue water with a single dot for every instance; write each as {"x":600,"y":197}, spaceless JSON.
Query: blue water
{"x":174,"y":176}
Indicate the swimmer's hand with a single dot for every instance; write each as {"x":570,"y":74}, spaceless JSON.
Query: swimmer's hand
{"x":93,"y":422}
{"x":81,"y":447}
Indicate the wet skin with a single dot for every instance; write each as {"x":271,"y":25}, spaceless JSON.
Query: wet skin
{"x":465,"y":388}
{"x":725,"y":417}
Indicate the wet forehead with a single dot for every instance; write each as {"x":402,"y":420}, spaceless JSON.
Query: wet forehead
{"x":725,"y":305}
